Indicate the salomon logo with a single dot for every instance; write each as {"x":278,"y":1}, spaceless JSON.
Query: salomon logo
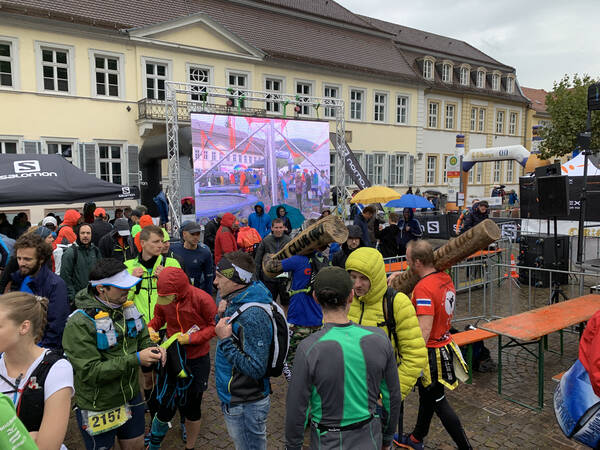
{"x":27,"y":166}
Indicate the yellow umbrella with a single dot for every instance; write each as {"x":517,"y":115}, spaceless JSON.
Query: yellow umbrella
{"x":375,"y":194}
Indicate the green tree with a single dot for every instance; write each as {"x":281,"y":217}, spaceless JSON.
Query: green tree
{"x":567,"y":106}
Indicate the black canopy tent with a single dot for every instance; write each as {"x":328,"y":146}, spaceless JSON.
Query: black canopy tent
{"x":45,"y":179}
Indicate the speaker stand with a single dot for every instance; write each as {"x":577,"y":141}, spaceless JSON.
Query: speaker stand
{"x":557,"y":293}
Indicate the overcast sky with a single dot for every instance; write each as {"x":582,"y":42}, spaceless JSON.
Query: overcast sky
{"x":542,"y":40}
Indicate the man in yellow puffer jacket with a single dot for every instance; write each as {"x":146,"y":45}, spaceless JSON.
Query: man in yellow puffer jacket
{"x":367,"y":271}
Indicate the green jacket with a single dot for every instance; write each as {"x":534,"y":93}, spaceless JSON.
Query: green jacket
{"x":104,"y":379}
{"x":144,"y":294}
{"x":75,"y":267}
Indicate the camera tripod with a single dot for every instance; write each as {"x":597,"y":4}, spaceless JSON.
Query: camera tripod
{"x":557,"y":293}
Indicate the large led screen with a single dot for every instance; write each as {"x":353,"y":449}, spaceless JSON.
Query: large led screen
{"x":239,"y":161}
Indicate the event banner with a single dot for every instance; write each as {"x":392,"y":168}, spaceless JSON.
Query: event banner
{"x":240,"y":161}
{"x":353,"y":168}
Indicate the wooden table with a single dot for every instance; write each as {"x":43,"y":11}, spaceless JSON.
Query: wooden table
{"x":533,"y":327}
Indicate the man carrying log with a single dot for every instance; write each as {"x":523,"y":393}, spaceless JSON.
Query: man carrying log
{"x":434,"y":299}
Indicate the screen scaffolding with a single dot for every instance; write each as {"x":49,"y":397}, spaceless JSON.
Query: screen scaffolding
{"x":212,"y":99}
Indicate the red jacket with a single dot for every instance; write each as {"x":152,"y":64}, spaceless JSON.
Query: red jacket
{"x":589,"y":351}
{"x":192,"y":306}
{"x":225,"y":241}
{"x":66,"y":232}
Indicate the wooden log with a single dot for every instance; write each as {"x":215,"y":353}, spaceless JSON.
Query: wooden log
{"x":477,"y":238}
{"x":320,"y":234}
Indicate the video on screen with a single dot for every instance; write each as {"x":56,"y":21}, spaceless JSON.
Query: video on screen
{"x":240,"y":161}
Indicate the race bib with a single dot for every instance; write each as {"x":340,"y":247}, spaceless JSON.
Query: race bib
{"x":98,"y":422}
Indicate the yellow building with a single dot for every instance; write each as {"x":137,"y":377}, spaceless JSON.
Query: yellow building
{"x":88,"y":82}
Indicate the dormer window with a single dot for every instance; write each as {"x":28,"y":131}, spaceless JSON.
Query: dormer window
{"x":428,"y":69}
{"x":464,"y":76}
{"x":510,"y":84}
{"x":480,"y":78}
{"x":496,"y":81}
{"x":447,"y":72}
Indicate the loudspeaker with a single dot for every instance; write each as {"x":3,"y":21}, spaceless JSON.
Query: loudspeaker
{"x":539,"y":251}
{"x":553,"y":196}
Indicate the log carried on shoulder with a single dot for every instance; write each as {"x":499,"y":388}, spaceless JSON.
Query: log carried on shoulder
{"x":477,"y":238}
{"x":320,"y":234}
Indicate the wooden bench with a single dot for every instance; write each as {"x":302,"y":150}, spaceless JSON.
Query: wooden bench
{"x":558,"y":376}
{"x":468,"y":338}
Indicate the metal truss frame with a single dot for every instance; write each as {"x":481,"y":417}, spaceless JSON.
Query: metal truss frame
{"x":185,"y":91}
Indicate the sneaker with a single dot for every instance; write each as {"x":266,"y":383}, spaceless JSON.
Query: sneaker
{"x":398,"y":442}
{"x":407,"y":442}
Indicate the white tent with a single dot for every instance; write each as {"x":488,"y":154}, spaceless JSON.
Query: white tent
{"x":574,"y":167}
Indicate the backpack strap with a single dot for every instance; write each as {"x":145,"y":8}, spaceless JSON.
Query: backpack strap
{"x":268,"y":308}
{"x":390,"y":319}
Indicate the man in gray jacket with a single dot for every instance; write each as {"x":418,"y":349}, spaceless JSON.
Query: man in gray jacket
{"x":271,"y":244}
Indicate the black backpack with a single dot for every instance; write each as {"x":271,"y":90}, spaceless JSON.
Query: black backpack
{"x":389,"y":321}
{"x":281,"y":335}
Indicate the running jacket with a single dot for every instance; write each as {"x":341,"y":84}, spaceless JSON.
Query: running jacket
{"x":339,"y":373}
{"x":368,"y":310}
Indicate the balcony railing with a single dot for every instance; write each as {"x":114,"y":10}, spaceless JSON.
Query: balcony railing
{"x":151,"y":109}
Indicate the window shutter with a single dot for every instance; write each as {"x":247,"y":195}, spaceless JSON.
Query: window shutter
{"x":32,"y":147}
{"x":90,"y":158}
{"x":411,"y":170}
{"x":133,"y":165}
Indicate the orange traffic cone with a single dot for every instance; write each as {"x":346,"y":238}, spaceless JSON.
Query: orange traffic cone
{"x":513,"y":267}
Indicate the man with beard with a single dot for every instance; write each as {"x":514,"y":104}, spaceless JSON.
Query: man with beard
{"x":353,"y":242}
{"x":77,"y":262}
{"x":271,"y":245}
{"x":36,"y":278}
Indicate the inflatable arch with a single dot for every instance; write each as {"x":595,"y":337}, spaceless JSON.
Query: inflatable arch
{"x":514,"y":152}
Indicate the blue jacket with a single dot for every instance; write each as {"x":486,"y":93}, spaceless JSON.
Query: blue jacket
{"x":241,"y":360}
{"x":362,"y":223}
{"x":47,"y":284}
{"x":260,"y":222}
{"x":415,"y":231}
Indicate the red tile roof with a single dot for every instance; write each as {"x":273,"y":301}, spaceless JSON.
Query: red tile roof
{"x":537,"y":98}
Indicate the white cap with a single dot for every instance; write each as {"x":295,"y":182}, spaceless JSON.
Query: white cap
{"x":121,"y":280}
{"x":49,"y":219}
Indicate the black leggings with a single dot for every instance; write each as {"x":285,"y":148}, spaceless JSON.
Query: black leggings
{"x":432,"y":399}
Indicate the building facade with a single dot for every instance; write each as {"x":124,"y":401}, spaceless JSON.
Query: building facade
{"x":88,"y":82}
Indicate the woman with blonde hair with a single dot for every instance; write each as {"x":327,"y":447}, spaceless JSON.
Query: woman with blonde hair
{"x":37,"y":380}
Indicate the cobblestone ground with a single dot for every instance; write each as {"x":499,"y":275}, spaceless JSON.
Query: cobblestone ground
{"x":490,"y":420}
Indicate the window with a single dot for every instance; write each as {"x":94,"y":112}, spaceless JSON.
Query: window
{"x":464,"y":76}
{"x":199,"y":78}
{"x":330,"y":92}
{"x":432,"y":116}
{"x":274,"y":88}
{"x":479,"y":173}
{"x":106,"y":72}
{"x":431,"y":170}
{"x":496,"y":82}
{"x":375,"y":167}
{"x":447,"y":73}
{"x":450,"y":108}
{"x":471,"y":172}
{"x":111,"y":163}
{"x":512,"y":124}
{"x":481,"y":123}
{"x":402,"y":109}
{"x":428,"y":69}
{"x":380,"y":107}
{"x":304,"y":90}
{"x":510,"y":85}
{"x":496,"y":171}
{"x":473,"y":119}
{"x":397,"y":170}
{"x":356,"y":104}
{"x":445,"y":170}
{"x":237,"y":84}
{"x":510,"y":171}
{"x":156,"y":76}
{"x":7,"y":64}
{"x":499,"y":122}
{"x":7,"y":147}
{"x":55,"y":69}
{"x":480,"y":79}
{"x":61,"y":148}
